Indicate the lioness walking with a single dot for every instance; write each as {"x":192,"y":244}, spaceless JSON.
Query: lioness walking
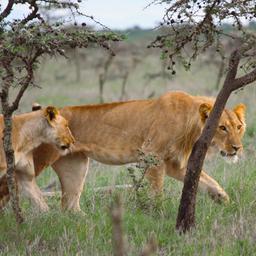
{"x":115,"y":133}
{"x":29,"y":131}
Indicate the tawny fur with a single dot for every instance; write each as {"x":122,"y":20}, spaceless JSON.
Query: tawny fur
{"x":29,"y":131}
{"x":114,"y":134}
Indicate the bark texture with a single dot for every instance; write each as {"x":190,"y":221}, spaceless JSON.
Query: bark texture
{"x":7,"y":110}
{"x":10,"y":174}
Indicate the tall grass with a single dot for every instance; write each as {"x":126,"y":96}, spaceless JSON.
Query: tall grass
{"x":221,"y":229}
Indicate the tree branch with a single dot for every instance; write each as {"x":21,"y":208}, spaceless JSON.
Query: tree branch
{"x":32,"y":15}
{"x":7,"y":82}
{"x":244,"y":80}
{"x":7,"y":10}
{"x":14,"y":106}
{"x":232,"y":66}
{"x":28,"y":78}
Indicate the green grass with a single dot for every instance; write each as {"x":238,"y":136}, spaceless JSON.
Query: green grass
{"x":221,"y":229}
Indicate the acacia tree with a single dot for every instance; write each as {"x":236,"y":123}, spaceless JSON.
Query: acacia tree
{"x":193,"y":27}
{"x":22,"y":43}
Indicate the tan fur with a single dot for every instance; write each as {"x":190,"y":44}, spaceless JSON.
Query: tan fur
{"x":29,"y":131}
{"x":114,"y":133}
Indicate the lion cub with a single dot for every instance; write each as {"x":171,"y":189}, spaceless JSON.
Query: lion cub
{"x":29,"y":131}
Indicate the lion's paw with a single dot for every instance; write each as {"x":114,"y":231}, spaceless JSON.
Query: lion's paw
{"x":220,"y":197}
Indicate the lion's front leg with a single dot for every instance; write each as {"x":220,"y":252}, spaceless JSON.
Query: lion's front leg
{"x":72,"y":171}
{"x":28,"y":188}
{"x":206,"y":183}
{"x":216,"y":192}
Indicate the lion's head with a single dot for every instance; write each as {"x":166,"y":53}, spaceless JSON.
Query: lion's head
{"x":229,"y":132}
{"x":57,"y":130}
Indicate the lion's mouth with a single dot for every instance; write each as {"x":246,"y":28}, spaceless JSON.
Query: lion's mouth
{"x":64,"y":148}
{"x":229,"y":157}
{"x":225,"y":154}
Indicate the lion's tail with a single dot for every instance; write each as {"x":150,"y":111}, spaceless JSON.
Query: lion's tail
{"x":4,"y":191}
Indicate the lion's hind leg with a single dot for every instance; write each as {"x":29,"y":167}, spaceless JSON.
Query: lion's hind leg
{"x":155,"y":176}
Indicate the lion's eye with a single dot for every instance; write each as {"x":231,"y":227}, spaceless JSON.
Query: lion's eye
{"x":223,"y":128}
{"x":239,"y":126}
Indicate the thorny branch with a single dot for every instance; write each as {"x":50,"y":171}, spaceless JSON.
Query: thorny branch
{"x":27,"y":79}
{"x":7,"y":10}
{"x":33,"y":14}
{"x":22,"y":43}
{"x":117,"y":229}
{"x":190,"y":27}
{"x":118,"y":236}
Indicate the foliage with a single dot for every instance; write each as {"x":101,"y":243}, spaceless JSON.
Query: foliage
{"x":146,"y":161}
{"x":192,"y":26}
{"x":22,"y":43}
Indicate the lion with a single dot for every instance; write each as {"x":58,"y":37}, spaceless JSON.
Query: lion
{"x":29,"y":131}
{"x":115,"y":133}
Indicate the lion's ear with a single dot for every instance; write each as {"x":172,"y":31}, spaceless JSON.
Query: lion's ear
{"x":50,"y":113}
{"x":240,"y":111}
{"x":204,"y":110}
{"x":36,"y":106}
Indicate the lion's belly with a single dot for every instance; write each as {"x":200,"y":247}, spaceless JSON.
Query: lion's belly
{"x":113,"y":155}
{"x":114,"y":159}
{"x":109,"y":151}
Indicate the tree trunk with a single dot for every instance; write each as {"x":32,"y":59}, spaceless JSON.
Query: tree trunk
{"x":10,"y":161}
{"x":123,"y":89}
{"x":186,"y":215}
{"x":101,"y":87}
{"x":7,"y":112}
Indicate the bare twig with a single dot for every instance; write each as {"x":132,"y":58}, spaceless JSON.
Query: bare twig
{"x":7,"y":10}
{"x":244,"y":80}
{"x":117,"y":230}
{"x":150,"y":247}
{"x":33,"y":14}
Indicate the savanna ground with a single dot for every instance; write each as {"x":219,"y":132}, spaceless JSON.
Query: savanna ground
{"x":221,"y":229}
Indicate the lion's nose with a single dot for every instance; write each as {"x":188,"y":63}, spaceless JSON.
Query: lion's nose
{"x":66,"y":146}
{"x":236,"y":147}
